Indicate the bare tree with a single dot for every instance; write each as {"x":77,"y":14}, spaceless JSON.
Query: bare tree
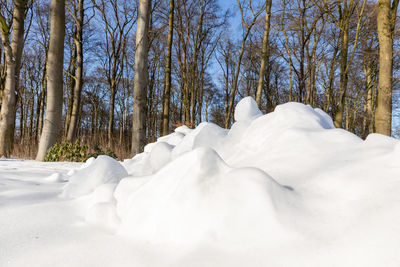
{"x":13,"y":55}
{"x":167,"y":87}
{"x":346,"y":11}
{"x":53,"y":117}
{"x":78,"y":16}
{"x":141,"y":78}
{"x":264,"y":51}
{"x":117,"y":26}
{"x":246,"y":31}
{"x":387,"y":12}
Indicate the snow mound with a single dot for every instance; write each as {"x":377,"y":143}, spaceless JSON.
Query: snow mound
{"x":88,"y":162}
{"x":284,"y":183}
{"x":171,"y":146}
{"x":160,"y":155}
{"x":56,"y":178}
{"x":198,"y":198}
{"x":205,"y":135}
{"x":247,"y":110}
{"x":101,"y":170}
{"x":297,"y":115}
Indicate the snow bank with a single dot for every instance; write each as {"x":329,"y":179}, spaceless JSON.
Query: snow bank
{"x":246,"y":110}
{"x":198,"y":198}
{"x":286,"y":179}
{"x":97,"y":172}
{"x":56,"y":178}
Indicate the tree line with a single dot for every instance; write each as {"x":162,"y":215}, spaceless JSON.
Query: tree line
{"x":120,"y":73}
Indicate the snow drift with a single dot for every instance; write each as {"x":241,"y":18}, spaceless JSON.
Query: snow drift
{"x":203,"y":201}
{"x":287,"y":179}
{"x":93,"y":174}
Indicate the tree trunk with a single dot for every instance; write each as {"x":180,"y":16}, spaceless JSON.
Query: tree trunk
{"x":194,"y":66}
{"x":264,"y":52}
{"x":110,"y":130}
{"x":386,"y":23}
{"x":331,"y":77}
{"x":79,"y":74}
{"x":343,"y":74}
{"x":43,"y":95}
{"x":235,"y":85}
{"x":167,"y":88}
{"x":369,"y":101}
{"x":289,"y":66}
{"x":236,"y":79}
{"x":141,"y":78}
{"x":42,"y":110}
{"x":302,"y":41}
{"x":52,"y":124}
{"x":72,"y":72}
{"x":13,"y":55}
{"x":37,"y":119}
{"x":32,"y":111}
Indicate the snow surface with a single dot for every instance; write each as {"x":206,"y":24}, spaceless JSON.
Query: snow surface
{"x":282,"y":189}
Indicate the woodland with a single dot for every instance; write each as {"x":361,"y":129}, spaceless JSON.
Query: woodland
{"x":118,"y":74}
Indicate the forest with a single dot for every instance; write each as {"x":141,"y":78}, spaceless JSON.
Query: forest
{"x":118,"y":74}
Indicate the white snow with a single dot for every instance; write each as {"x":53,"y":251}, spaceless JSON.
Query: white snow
{"x":246,"y":110}
{"x":95,"y":172}
{"x":282,"y":189}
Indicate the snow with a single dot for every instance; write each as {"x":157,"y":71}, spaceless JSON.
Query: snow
{"x":95,"y":172}
{"x":246,"y":110}
{"x":160,"y":155}
{"x":282,"y":189}
{"x":188,"y":208}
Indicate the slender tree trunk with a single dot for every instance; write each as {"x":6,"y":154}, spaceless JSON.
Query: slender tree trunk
{"x":302,"y":79}
{"x":52,"y":124}
{"x":236,"y":80}
{"x":227,"y":65}
{"x":186,"y":102}
{"x":42,"y":105}
{"x":96,"y":123}
{"x":2,"y":74}
{"x":264,"y":52}
{"x":310,"y":64}
{"x":329,"y":90}
{"x":235,"y":85}
{"x":13,"y":62}
{"x":238,"y":63}
{"x":43,"y":95}
{"x":32,"y":108}
{"x":37,"y":119}
{"x":167,"y":87}
{"x":347,"y":121}
{"x":369,"y":103}
{"x":343,"y":74}
{"x":289,"y":65}
{"x":201,"y":89}
{"x":79,"y":74}
{"x":345,"y":62}
{"x":141,"y":78}
{"x":18,"y":100}
{"x":110,"y":130}
{"x":386,"y":23}
{"x":370,"y":108}
{"x":194,"y":66}
{"x":72,"y":71}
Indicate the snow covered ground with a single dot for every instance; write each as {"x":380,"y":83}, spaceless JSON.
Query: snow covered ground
{"x":282,"y":189}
